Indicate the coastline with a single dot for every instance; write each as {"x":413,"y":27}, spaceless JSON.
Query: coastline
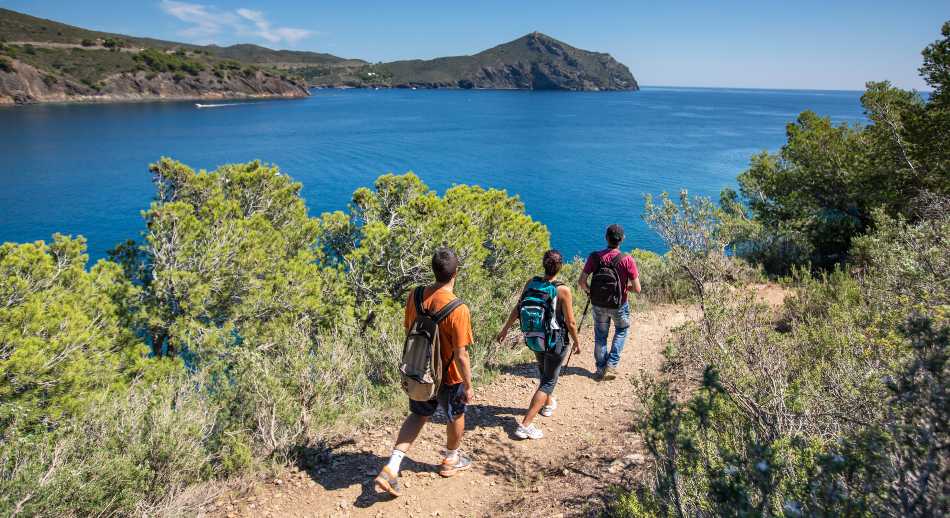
{"x":431,"y":86}
{"x":119,"y":99}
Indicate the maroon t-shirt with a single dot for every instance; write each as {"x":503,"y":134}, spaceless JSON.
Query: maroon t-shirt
{"x":626,"y":269}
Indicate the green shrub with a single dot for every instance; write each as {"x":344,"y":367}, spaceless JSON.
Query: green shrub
{"x":5,"y":64}
{"x":159,"y":61}
{"x":128,"y":455}
{"x":114,"y":44}
{"x":63,"y":343}
{"x":228,"y":65}
{"x":839,"y":410}
{"x":660,"y":279}
{"x":86,"y":42}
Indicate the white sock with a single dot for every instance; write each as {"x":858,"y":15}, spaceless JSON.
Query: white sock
{"x":395,"y":460}
{"x":450,"y":454}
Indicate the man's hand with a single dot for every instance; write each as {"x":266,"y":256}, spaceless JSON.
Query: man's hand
{"x":577,"y":348}
{"x":469,"y":395}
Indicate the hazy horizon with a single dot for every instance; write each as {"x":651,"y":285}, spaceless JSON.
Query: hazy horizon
{"x":771,"y":45}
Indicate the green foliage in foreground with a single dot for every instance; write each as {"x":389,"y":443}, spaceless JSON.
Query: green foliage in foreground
{"x":64,"y":345}
{"x":238,"y":329}
{"x":834,"y":404}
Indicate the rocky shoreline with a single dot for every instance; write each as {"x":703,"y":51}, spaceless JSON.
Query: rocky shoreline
{"x":21,"y":83}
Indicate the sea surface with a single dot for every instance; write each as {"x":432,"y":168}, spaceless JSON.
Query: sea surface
{"x":579,"y":161}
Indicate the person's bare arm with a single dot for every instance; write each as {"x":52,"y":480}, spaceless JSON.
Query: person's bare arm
{"x":566,"y":299}
{"x":500,"y":337}
{"x":464,"y":365}
{"x":582,"y":283}
{"x":504,"y":329}
{"x":634,"y":285}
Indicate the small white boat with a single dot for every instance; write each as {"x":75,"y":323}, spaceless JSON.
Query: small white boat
{"x":198,"y":105}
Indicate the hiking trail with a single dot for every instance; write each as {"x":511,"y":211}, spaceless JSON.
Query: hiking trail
{"x":588,"y":446}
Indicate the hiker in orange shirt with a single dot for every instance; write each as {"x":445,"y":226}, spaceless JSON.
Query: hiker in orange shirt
{"x":455,"y":335}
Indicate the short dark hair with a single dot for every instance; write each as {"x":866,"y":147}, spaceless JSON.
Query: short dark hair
{"x":614,"y":235}
{"x":444,"y":264}
{"x":552,"y":261}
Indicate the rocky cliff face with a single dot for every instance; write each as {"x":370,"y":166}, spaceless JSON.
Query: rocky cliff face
{"x":545,"y":76}
{"x":532,"y":62}
{"x":544,"y":63}
{"x":21,"y":83}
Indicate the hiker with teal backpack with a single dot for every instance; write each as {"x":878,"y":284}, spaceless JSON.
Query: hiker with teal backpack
{"x":546,"y":312}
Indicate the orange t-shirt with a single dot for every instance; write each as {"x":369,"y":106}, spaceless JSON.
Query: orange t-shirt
{"x":455,"y":332}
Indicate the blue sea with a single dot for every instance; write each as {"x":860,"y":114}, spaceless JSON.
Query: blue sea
{"x":579,"y":161}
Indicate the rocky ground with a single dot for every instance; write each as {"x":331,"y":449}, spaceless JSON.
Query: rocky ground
{"x":588,"y":448}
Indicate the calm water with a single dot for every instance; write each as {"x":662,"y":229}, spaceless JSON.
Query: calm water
{"x":578,"y":160}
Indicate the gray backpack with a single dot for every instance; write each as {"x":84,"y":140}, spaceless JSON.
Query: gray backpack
{"x":421,"y":368}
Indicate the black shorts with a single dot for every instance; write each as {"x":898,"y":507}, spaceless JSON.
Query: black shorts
{"x":549,"y":364}
{"x":450,"y":397}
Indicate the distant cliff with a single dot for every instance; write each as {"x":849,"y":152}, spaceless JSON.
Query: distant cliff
{"x":532,"y":62}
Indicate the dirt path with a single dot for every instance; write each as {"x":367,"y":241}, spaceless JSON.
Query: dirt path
{"x":587,"y":447}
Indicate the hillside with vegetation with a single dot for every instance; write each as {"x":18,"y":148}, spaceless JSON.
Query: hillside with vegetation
{"x":46,"y":61}
{"x":238,"y":334}
{"x":43,"y":60}
{"x":533,"y":62}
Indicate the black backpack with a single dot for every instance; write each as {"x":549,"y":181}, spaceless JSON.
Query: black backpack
{"x":421,"y":368}
{"x":606,"y":290}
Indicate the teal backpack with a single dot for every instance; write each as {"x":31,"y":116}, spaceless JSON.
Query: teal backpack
{"x":537,"y":309}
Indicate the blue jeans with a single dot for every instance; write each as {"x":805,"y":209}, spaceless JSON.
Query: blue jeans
{"x":602,"y":318}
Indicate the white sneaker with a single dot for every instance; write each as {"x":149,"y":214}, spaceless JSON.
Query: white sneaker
{"x":548,"y":410}
{"x":528,"y":432}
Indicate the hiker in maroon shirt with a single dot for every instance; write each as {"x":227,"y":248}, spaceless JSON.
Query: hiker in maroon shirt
{"x":612,"y":275}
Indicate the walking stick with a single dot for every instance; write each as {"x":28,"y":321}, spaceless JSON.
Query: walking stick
{"x":579,"y":326}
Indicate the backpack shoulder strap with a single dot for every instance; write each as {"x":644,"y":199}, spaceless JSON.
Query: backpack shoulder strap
{"x":616,"y":260}
{"x":447,"y":310}
{"x":417,"y":297}
{"x":596,"y":257}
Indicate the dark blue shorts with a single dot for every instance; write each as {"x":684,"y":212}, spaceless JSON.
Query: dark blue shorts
{"x":450,"y":397}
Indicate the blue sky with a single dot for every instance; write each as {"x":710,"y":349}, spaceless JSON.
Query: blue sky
{"x":765,"y":44}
